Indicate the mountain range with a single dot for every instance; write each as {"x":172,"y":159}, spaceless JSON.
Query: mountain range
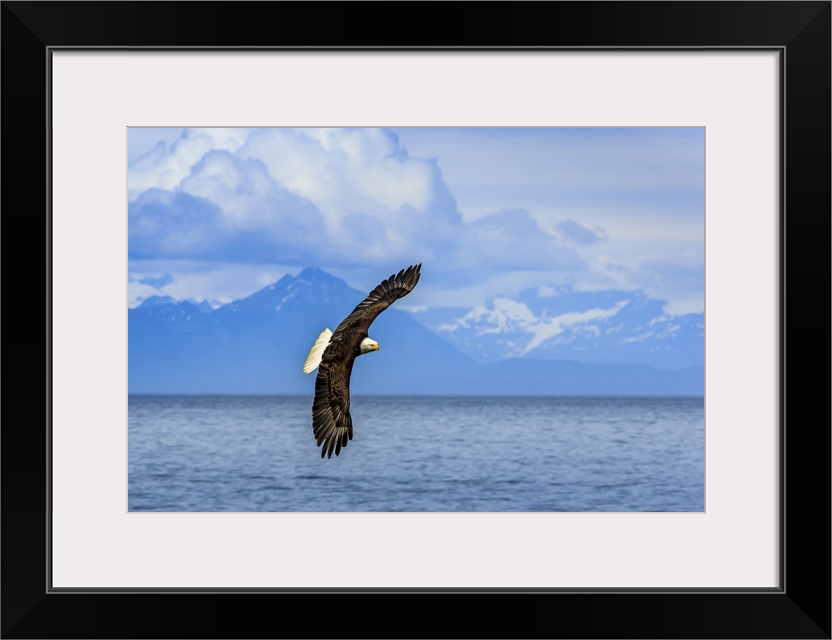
{"x":540,"y":343}
{"x":603,"y":327}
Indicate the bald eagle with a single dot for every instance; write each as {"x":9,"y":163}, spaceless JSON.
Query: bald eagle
{"x":333,"y":355}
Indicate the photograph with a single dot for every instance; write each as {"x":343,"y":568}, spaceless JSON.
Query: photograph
{"x":543,"y":350}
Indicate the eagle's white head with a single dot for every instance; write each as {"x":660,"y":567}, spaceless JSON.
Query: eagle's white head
{"x":367,"y":345}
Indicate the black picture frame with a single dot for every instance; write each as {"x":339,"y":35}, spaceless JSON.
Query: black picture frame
{"x":799,"y":608}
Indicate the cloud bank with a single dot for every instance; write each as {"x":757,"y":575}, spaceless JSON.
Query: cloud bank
{"x":352,"y":201}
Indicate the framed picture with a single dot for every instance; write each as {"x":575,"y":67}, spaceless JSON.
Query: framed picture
{"x":134,"y":124}
{"x":527,"y":334}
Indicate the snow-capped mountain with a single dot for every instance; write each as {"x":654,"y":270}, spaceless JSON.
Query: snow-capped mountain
{"x":258,"y":344}
{"x":599,"y":327}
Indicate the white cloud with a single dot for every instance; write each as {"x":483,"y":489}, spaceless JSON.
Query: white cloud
{"x":639,"y":338}
{"x":170,"y":162}
{"x":345,"y":171}
{"x":577,"y":233}
{"x":513,"y":240}
{"x":323,"y":197}
{"x":669,"y":332}
{"x":546,"y":291}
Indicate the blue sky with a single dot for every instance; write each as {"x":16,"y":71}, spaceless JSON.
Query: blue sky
{"x":217,"y":214}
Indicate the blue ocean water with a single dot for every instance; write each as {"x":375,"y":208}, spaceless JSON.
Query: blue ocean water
{"x":458,"y":454}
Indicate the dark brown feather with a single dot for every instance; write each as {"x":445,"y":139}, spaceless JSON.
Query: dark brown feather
{"x":396,"y":286}
{"x":331,"y":420}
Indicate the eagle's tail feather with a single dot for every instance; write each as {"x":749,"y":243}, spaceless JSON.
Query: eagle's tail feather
{"x":317,"y":351}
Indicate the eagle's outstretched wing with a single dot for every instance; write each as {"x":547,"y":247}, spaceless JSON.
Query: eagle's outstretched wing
{"x":331,"y":420}
{"x":396,"y":286}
